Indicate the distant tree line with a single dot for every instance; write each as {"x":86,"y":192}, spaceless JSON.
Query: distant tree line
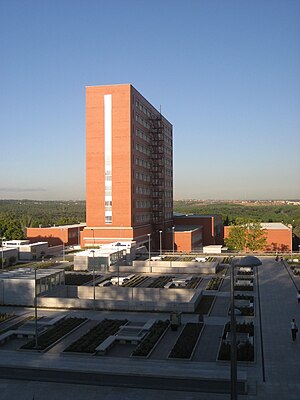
{"x":16,"y":215}
{"x":232,"y":214}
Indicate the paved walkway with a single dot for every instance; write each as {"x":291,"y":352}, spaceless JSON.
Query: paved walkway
{"x":281,"y":355}
{"x":279,"y":306}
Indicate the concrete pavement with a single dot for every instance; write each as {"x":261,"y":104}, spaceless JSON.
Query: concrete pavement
{"x":279,"y":363}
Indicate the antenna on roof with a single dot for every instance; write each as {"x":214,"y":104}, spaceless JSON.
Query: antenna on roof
{"x":160,"y":108}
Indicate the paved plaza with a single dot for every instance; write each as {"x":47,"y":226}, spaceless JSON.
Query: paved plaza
{"x":274,"y":375}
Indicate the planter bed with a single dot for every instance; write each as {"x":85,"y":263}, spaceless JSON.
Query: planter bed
{"x":244,"y":277}
{"x":245,"y":311}
{"x":193,"y":283}
{"x":148,"y":344}
{"x":205,"y":304}
{"x":214,"y":284}
{"x":79,"y":279}
{"x":92,"y":339}
{"x":160,"y":282}
{"x":244,"y":297}
{"x":4,"y":317}
{"x":244,"y":288}
{"x":187,"y":258}
{"x":52,"y":335}
{"x":295,"y":269}
{"x":187,"y":341}
{"x":246,"y":274}
{"x":171,"y":258}
{"x":245,"y":346}
{"x":226,"y":260}
{"x":136,"y":281}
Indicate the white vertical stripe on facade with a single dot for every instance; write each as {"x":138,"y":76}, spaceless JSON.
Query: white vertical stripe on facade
{"x":108,"y":157}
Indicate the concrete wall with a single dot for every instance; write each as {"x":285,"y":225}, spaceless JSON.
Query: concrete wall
{"x":119,"y":298}
{"x":173,"y":267}
{"x":7,"y":253}
{"x":17,"y":292}
{"x":32,"y":252}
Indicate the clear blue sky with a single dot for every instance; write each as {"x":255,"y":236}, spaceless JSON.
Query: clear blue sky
{"x":226,"y":73}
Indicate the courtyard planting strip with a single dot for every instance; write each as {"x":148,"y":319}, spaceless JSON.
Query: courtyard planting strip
{"x":223,"y":341}
{"x":88,"y":342}
{"x":142,"y":347}
{"x":181,"y":345}
{"x":46,"y":336}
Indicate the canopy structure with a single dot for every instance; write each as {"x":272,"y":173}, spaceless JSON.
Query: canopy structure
{"x":249,"y":261}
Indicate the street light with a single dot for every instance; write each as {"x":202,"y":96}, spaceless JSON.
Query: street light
{"x":3,"y":238}
{"x":292,"y":242}
{"x":233,"y":353}
{"x":173,"y":239}
{"x":149,"y":244}
{"x":93,"y":252}
{"x":160,"y":246}
{"x":35,"y":309}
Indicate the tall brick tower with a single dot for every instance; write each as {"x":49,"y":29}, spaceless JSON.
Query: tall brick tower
{"x":129,"y":167}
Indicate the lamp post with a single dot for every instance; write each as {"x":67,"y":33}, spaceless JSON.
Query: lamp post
{"x":173,"y":239}
{"x":160,"y":243}
{"x":35,"y":309}
{"x":3,"y":238}
{"x":233,"y":353}
{"x":149,"y":248}
{"x":94,"y":294}
{"x":292,"y":241}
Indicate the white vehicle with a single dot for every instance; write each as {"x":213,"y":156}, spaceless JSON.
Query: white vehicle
{"x":157,"y":258}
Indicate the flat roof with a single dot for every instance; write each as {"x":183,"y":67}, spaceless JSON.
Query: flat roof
{"x":274,"y":225}
{"x":28,"y":273}
{"x":195,"y":215}
{"x":187,"y":228}
{"x":81,"y":224}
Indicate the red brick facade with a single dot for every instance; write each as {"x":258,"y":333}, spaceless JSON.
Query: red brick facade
{"x":121,"y":179}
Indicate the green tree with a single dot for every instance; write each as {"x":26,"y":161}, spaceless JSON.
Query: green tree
{"x":247,"y":235}
{"x":237,"y":238}
{"x":255,"y":237}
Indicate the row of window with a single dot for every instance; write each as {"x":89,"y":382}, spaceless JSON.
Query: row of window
{"x":142,"y":190}
{"x":142,"y":177}
{"x":142,"y":121}
{"x":143,"y":204}
{"x":148,"y":113}
{"x":168,"y":151}
{"x":142,"y":163}
{"x":143,"y":218}
{"x":168,"y":141}
{"x":142,"y":149}
{"x":142,"y":135}
{"x":142,"y":108}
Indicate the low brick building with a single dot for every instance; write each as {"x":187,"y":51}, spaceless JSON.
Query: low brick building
{"x":278,"y":235}
{"x":56,"y":235}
